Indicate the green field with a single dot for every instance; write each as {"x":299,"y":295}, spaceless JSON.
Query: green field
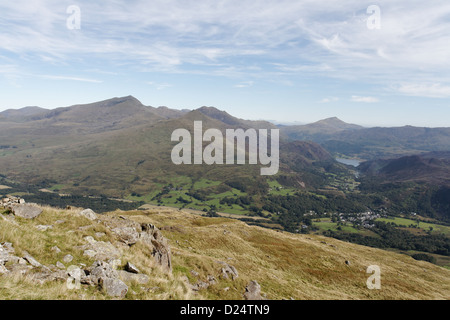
{"x":277,"y":189}
{"x":325,"y":224}
{"x":437,"y":228}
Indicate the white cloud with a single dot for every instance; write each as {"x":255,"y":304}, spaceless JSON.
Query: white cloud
{"x":328,"y":100}
{"x":244,"y":84}
{"x":159,"y":86}
{"x":326,"y":37}
{"x":364,"y":99}
{"x":68,"y":78}
{"x":435,"y":90}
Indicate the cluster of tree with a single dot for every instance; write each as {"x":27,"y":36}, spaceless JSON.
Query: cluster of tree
{"x":391,"y":237}
{"x":424,"y":257}
{"x":301,"y":203}
{"x":98,"y":204}
{"x":405,"y":197}
{"x":241,"y":201}
{"x":199,"y":195}
{"x":183,"y":200}
{"x":249,"y":186}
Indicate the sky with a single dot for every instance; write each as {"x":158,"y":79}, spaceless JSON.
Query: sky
{"x":374,"y":63}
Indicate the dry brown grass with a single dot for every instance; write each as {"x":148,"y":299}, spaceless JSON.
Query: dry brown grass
{"x":285,"y":265}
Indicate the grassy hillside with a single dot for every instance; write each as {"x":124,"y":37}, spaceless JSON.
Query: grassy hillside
{"x":285,"y":265}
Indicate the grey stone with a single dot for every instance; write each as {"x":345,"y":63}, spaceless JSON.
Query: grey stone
{"x":25,"y":211}
{"x":44,"y":227}
{"x":89,"y":213}
{"x":89,"y":253}
{"x":131,"y":268}
{"x":32,"y":260}
{"x":253,"y":291}
{"x":228,"y":270}
{"x":100,"y":250}
{"x":195,"y":273}
{"x":160,"y":247}
{"x":199,"y":286}
{"x":55,"y":249}
{"x":101,"y":270}
{"x":127,"y":235}
{"x":3,"y":269}
{"x":133,"y":277}
{"x":114,"y":287}
{"x":67,"y":258}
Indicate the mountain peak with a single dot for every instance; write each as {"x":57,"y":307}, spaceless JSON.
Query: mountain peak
{"x":335,"y":123}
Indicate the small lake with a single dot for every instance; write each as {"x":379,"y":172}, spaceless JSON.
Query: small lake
{"x":350,"y":162}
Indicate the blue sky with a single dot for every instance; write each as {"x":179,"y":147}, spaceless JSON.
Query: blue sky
{"x":289,"y":61}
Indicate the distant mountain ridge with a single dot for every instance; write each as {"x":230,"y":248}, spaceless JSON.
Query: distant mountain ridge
{"x":335,"y":135}
{"x":432,"y":168}
{"x":318,"y":131}
{"x":120,"y":146}
{"x":351,"y":140}
{"x":22,"y":114}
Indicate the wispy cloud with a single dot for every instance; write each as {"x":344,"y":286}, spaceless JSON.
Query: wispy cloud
{"x":159,"y":86}
{"x":244,"y":84}
{"x":364,"y":99}
{"x":328,"y":100}
{"x":434,"y":90}
{"x":316,"y":51}
{"x":326,"y":36}
{"x":68,"y":78}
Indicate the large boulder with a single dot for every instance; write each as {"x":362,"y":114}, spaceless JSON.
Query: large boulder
{"x":104,"y":275}
{"x":101,"y":270}
{"x":27,"y":211}
{"x":127,"y":235}
{"x":114,"y":287}
{"x":99,"y":250}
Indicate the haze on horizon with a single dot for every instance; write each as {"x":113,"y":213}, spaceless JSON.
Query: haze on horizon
{"x":289,"y":61}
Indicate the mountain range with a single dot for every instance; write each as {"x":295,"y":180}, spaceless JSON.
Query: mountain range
{"x":356,"y":141}
{"x":117,"y":154}
{"x":119,"y":146}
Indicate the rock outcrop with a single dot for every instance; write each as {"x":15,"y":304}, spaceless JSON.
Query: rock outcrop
{"x":11,"y":200}
{"x":228,"y":271}
{"x":19,"y":208}
{"x":253,"y":291}
{"x":104,"y":273}
{"x":130,"y":232}
{"x":160,"y":249}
